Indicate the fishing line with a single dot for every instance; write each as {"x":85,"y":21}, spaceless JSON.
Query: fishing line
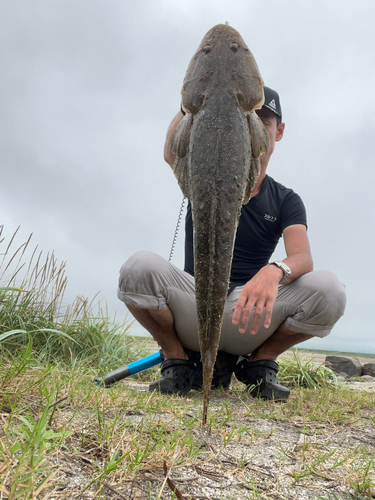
{"x":176,"y":230}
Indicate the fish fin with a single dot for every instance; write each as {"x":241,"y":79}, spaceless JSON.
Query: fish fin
{"x":180,"y":146}
{"x":180,"y":170}
{"x":247,"y":195}
{"x":181,"y":136}
{"x":258,"y":134}
{"x":259,"y":145}
{"x":252,"y":179}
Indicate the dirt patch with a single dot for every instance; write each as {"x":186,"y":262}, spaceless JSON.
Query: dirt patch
{"x":128,"y":443}
{"x":264,"y":458}
{"x":308,"y":448}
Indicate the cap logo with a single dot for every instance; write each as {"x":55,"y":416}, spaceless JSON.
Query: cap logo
{"x":272,"y":104}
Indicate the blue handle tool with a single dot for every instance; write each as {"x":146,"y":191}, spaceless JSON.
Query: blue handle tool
{"x":131,"y":369}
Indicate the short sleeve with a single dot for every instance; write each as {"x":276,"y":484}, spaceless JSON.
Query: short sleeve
{"x":292,"y":211}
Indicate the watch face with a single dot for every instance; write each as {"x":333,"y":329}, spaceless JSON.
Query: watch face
{"x":286,"y":269}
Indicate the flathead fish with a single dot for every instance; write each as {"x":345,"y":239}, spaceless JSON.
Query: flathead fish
{"x":217,"y":146}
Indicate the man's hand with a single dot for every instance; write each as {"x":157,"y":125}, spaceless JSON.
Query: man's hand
{"x":259,"y":293}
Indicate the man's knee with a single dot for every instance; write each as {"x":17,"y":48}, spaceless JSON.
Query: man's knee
{"x":330,"y":293}
{"x":138,"y":269}
{"x":141,"y":281}
{"x":320,"y":301}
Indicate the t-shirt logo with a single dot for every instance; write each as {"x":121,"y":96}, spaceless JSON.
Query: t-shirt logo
{"x":270,"y":218}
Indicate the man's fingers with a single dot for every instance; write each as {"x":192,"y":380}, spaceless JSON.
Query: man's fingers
{"x":246,"y":314}
{"x":257,"y":317}
{"x":261,"y":291}
{"x":268,"y":315}
{"x":237,"y":310}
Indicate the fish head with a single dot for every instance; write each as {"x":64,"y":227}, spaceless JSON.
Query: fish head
{"x":222,"y":62}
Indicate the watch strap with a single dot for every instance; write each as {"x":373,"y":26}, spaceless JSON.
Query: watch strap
{"x":285,"y":269}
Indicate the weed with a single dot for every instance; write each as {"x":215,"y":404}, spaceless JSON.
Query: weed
{"x":72,"y":334}
{"x":299,"y":373}
{"x":63,"y":437}
{"x":24,"y":451}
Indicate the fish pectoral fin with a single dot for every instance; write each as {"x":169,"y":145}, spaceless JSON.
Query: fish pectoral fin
{"x":259,"y":145}
{"x":252,"y":179}
{"x":180,"y":146}
{"x":258,"y":134}
{"x":180,"y":170}
{"x":181,"y":136}
{"x":247,"y":195}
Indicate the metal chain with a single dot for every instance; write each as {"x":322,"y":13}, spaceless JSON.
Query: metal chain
{"x":176,"y":230}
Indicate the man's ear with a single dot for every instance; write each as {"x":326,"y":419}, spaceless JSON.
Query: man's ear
{"x":280,"y":132}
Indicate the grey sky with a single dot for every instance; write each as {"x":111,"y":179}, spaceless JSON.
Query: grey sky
{"x":88,"y":89}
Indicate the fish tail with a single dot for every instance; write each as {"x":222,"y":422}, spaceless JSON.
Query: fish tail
{"x":207,"y":378}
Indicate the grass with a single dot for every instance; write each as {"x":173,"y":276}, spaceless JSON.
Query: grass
{"x":34,"y":311}
{"x":299,"y":373}
{"x":61,"y":436}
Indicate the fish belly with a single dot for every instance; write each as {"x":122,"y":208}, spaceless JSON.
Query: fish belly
{"x":219,"y":164}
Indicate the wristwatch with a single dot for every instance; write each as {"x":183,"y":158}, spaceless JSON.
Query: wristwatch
{"x":285,"y":269}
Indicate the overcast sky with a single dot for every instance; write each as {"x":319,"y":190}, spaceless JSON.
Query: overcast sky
{"x":88,"y":89}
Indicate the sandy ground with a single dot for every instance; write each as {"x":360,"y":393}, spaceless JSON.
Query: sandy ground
{"x":304,"y":355}
{"x":250,"y":457}
{"x":320,"y":358}
{"x":317,"y":357}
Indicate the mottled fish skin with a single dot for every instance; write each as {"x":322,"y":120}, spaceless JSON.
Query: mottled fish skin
{"x":217,"y":146}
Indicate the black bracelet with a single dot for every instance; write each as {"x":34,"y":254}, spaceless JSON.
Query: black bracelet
{"x":182,"y":110}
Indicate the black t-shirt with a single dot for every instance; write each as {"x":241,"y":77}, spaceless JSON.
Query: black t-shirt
{"x":261,"y":225}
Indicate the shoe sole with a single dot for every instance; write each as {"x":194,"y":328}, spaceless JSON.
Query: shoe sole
{"x":265,"y":391}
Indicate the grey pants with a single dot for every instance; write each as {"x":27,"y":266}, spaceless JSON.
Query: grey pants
{"x":311,"y":304}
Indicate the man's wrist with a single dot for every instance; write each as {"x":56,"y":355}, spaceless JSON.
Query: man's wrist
{"x":284,"y":268}
{"x":277,"y":272}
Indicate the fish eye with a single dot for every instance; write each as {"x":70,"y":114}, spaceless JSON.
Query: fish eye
{"x":207,"y":49}
{"x":234,"y":47}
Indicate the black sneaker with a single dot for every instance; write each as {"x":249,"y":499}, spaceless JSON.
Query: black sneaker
{"x":260,"y":378}
{"x":177,"y":377}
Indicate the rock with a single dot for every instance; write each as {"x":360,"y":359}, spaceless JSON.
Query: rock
{"x":368,"y":378}
{"x":351,"y":366}
{"x":369,"y":369}
{"x":343,"y":375}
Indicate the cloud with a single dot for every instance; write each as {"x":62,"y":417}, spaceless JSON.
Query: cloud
{"x":89,"y":89}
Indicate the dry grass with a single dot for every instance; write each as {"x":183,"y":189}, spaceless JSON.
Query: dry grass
{"x":33,"y":313}
{"x":62,"y":437}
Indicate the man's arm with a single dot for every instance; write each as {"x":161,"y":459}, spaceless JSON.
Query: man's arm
{"x":297,"y":248}
{"x":261,"y":291}
{"x":169,"y":156}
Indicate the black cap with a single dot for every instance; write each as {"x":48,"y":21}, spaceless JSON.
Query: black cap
{"x":272,"y":101}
